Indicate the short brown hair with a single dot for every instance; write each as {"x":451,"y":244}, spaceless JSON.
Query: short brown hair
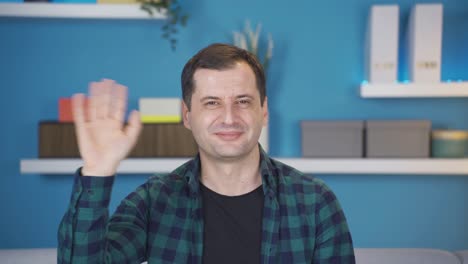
{"x":220,"y":57}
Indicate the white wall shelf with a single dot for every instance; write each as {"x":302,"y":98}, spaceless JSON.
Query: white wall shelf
{"x":78,"y":10}
{"x":306,"y":165}
{"x":402,"y":90}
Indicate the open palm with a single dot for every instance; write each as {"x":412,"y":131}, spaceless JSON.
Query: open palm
{"x":103,"y":138}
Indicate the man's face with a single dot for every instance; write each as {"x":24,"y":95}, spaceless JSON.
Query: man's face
{"x":226,"y":117}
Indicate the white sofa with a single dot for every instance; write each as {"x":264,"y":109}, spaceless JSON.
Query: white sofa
{"x":23,"y":256}
{"x":363,"y":256}
{"x":405,"y":256}
{"x":463,"y":256}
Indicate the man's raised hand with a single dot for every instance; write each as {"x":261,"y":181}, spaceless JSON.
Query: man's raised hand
{"x":103,"y":138}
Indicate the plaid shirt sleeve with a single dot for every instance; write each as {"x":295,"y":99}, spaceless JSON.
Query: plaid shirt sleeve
{"x":334,"y":242}
{"x":86,"y":235}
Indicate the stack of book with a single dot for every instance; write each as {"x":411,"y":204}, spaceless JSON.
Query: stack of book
{"x":160,"y":110}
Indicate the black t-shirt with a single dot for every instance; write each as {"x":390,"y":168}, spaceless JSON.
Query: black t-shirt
{"x":232,"y":227}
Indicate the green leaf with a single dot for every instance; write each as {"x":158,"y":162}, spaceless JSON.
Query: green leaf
{"x":147,"y":9}
{"x":175,"y":17}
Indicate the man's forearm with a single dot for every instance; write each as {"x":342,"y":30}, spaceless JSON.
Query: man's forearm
{"x":82,"y":231}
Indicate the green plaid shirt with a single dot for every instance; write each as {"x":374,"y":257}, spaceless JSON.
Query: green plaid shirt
{"x":162,"y":221}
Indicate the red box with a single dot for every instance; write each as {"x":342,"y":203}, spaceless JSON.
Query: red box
{"x":65,"y":109}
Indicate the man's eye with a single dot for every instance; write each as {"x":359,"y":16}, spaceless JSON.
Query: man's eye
{"x":211,"y":103}
{"x":244,"y":102}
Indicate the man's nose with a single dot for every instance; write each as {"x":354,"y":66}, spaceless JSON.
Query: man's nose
{"x":229,"y":114}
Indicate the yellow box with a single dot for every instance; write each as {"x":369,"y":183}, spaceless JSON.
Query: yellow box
{"x":150,"y":119}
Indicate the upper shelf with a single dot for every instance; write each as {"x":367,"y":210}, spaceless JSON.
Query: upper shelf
{"x":423,"y":166}
{"x":400,"y":90}
{"x":77,"y":10}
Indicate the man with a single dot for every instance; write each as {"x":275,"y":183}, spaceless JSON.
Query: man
{"x":230,"y":204}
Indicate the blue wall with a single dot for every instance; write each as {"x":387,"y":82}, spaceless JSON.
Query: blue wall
{"x":315,"y":73}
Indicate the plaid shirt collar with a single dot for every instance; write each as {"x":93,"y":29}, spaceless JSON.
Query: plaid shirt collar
{"x":191,"y":171}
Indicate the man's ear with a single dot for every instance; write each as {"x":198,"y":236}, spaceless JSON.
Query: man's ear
{"x":186,"y":116}
{"x":266,"y":114}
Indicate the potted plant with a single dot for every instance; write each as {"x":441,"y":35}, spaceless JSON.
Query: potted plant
{"x":250,"y":40}
{"x":176,"y":17}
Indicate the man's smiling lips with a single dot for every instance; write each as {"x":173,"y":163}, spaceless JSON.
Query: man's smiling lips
{"x":228,"y":135}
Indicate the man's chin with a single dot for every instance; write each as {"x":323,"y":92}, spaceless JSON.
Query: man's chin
{"x":230,"y":152}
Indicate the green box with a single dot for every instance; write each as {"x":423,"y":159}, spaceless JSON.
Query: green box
{"x":449,"y":143}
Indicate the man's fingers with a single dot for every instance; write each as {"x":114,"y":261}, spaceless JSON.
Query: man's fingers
{"x":100,"y":99}
{"x":93,"y":100}
{"x":118,"y":105}
{"x":132,"y":130}
{"x":104,"y":99}
{"x":78,"y":105}
{"x":79,"y":115}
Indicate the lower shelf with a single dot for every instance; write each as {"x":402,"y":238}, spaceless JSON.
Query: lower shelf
{"x":306,"y":165}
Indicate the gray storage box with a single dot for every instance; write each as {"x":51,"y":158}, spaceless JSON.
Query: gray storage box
{"x":332,"y":139}
{"x":398,"y":138}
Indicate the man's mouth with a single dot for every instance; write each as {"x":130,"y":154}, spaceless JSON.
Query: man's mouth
{"x":229,"y":136}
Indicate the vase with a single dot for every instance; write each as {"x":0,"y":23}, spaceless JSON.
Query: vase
{"x":263,"y":140}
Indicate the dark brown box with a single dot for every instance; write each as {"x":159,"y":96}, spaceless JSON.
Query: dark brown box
{"x":58,"y":140}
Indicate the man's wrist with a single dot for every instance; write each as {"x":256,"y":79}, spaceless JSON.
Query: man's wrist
{"x":95,"y":191}
{"x":103,"y":171}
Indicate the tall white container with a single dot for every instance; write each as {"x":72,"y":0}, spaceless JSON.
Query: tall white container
{"x":381,"y":52}
{"x":264,"y":138}
{"x":425,"y":43}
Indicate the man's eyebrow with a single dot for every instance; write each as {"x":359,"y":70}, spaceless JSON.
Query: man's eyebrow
{"x":209,"y":98}
{"x":245,"y":95}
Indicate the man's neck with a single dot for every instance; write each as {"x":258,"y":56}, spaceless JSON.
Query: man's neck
{"x":231,"y":177}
